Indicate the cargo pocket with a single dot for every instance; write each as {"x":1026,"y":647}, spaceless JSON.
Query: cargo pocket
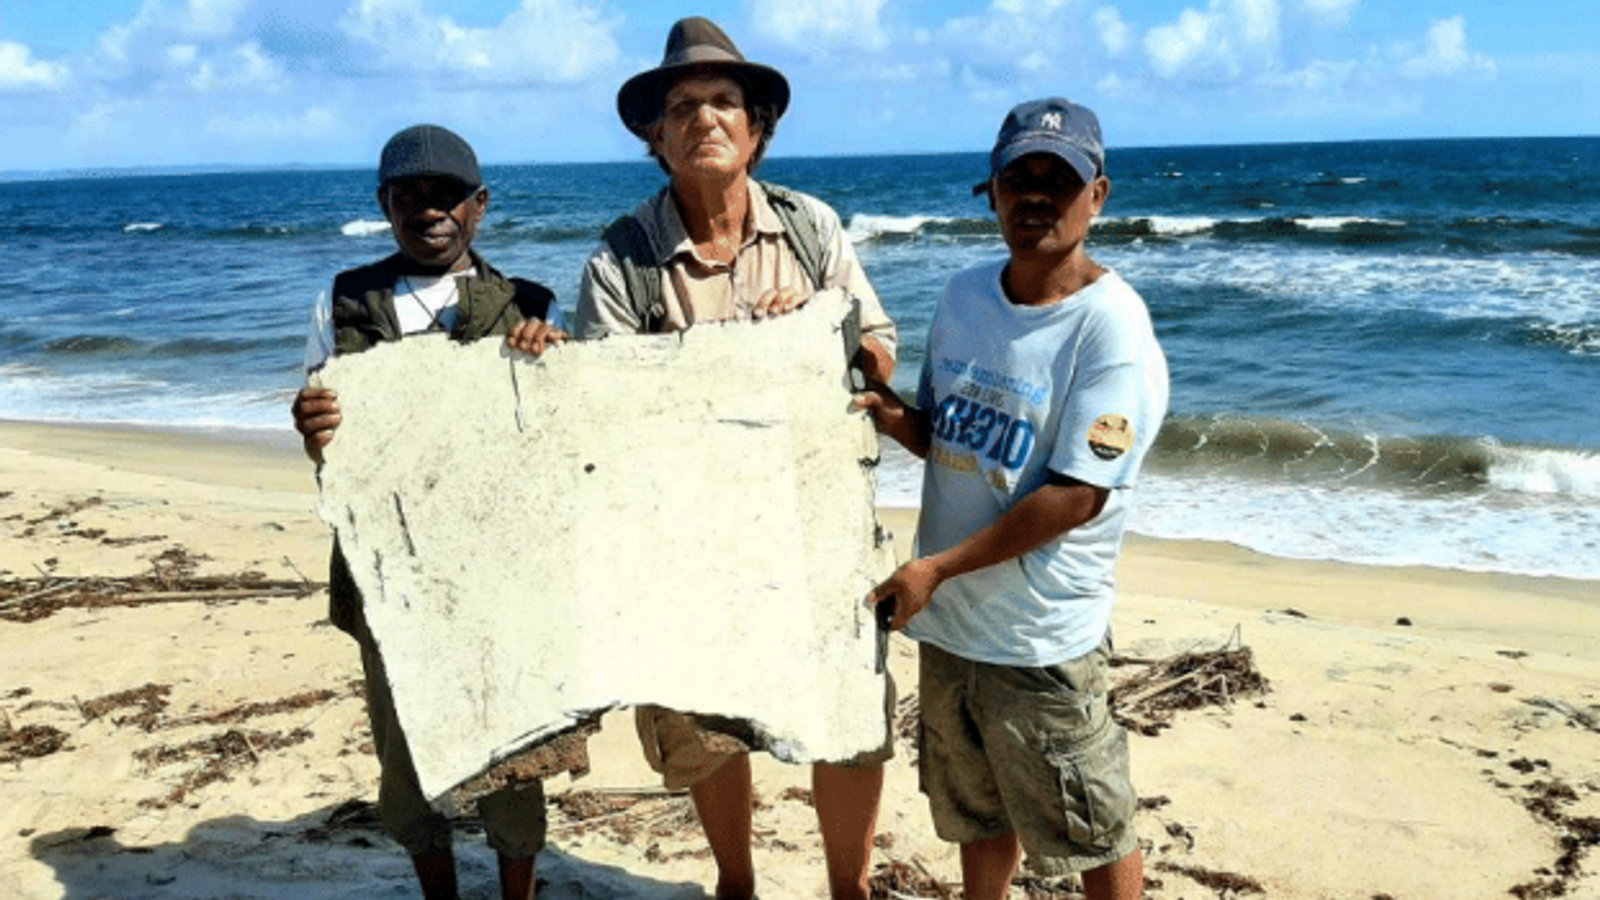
{"x":1096,"y":796}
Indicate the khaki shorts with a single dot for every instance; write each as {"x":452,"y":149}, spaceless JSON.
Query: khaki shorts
{"x":686,"y":749}
{"x":1030,"y":751}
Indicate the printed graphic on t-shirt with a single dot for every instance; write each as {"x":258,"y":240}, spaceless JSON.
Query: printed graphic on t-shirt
{"x":1111,"y":436}
{"x":980,"y":415}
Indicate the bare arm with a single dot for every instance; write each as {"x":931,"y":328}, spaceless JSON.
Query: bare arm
{"x":1059,"y":506}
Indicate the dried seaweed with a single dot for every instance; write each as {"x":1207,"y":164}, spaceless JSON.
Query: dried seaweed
{"x":151,"y":701}
{"x":218,"y":756}
{"x":1146,"y":701}
{"x":626,"y":814}
{"x":171,"y":579}
{"x":1226,"y":884}
{"x":898,"y":879}
{"x":30,"y":742}
{"x":1576,"y":836}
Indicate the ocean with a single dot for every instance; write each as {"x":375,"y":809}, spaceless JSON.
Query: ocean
{"x":1381,"y":352}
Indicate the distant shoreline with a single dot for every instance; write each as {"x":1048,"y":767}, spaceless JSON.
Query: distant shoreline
{"x":202,"y":169}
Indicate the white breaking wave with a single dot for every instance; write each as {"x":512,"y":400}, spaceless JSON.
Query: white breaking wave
{"x":1565,"y":473}
{"x":1338,"y":223}
{"x":142,"y":226}
{"x":363,"y":227}
{"x":1178,"y":226}
{"x":864,"y":227}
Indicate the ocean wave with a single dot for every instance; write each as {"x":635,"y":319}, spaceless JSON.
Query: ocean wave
{"x":1276,"y":450}
{"x":135,"y":227}
{"x":364,"y":227}
{"x":1302,"y":453}
{"x":80,"y":345}
{"x":1582,"y":339}
{"x":1158,"y":226}
{"x":1345,"y":223}
{"x":586,"y":234}
{"x":92,"y":344}
{"x":865,"y":227}
{"x":1527,"y":470}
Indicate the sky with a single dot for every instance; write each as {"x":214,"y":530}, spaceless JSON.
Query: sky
{"x":110,"y":84}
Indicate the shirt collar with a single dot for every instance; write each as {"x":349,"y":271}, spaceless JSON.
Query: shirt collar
{"x":676,"y":237}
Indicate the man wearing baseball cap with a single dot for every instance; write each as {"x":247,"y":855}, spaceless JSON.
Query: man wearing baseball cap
{"x":1042,"y":390}
{"x":433,"y":195}
{"x":717,"y":245}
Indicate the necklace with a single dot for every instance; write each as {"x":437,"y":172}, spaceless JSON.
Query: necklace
{"x":435,"y":323}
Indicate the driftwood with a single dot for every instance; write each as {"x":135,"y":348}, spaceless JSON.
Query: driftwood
{"x":1147,"y":700}
{"x":171,"y":579}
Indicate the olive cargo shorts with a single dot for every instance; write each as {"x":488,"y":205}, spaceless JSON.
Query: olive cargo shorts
{"x":1027,"y":750}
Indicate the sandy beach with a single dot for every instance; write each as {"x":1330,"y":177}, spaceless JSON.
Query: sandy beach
{"x":1421,"y":734}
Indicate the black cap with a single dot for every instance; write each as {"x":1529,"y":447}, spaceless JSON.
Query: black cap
{"x":428,"y":151}
{"x":694,"y":43}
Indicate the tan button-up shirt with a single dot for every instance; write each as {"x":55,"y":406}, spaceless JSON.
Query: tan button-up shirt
{"x":695,"y":289}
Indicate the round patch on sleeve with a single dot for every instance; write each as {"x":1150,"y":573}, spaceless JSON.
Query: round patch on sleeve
{"x":1111,"y":436}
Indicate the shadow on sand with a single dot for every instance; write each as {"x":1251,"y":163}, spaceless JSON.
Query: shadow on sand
{"x":339,"y":853}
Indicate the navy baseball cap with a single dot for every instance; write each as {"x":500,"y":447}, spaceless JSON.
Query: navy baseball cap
{"x":428,"y":151}
{"x":1056,"y":126}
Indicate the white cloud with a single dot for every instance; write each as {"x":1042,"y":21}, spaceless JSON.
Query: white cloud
{"x":315,"y":123}
{"x":1023,"y":9}
{"x":822,"y":25}
{"x":541,"y":41}
{"x":1318,"y":77}
{"x":20,"y":72}
{"x":1229,"y":39}
{"x":1445,"y":53}
{"x":243,"y":67}
{"x":160,"y":22}
{"x":1115,"y":35}
{"x":1330,"y":12}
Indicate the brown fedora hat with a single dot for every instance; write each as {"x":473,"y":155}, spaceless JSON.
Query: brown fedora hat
{"x":693,"y":43}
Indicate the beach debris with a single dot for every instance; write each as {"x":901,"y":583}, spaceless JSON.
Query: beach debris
{"x":907,"y":725}
{"x":624,"y":814}
{"x":798,"y":794}
{"x":1575,"y":835}
{"x":218,"y":756}
{"x":1226,"y":884}
{"x":29,"y":742}
{"x":61,"y":517}
{"x":150,"y":699}
{"x":901,"y":879}
{"x":171,"y":579}
{"x":1576,"y":716}
{"x":1147,"y":700}
{"x":355,"y":821}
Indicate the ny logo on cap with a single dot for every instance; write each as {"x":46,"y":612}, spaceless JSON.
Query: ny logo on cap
{"x":1051,"y":121}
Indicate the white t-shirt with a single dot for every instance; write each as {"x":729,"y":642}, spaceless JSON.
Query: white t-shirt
{"x":1078,"y":388}
{"x":421,"y":302}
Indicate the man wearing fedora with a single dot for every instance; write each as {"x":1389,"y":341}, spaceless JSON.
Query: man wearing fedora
{"x":1040,"y":395}
{"x":432,"y":193}
{"x":716,"y":245}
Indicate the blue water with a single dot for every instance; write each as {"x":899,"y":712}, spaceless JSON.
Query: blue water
{"x":1382,"y":352}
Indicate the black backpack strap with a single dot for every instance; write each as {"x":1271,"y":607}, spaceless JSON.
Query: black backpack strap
{"x":800,"y":227}
{"x":641,"y":275}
